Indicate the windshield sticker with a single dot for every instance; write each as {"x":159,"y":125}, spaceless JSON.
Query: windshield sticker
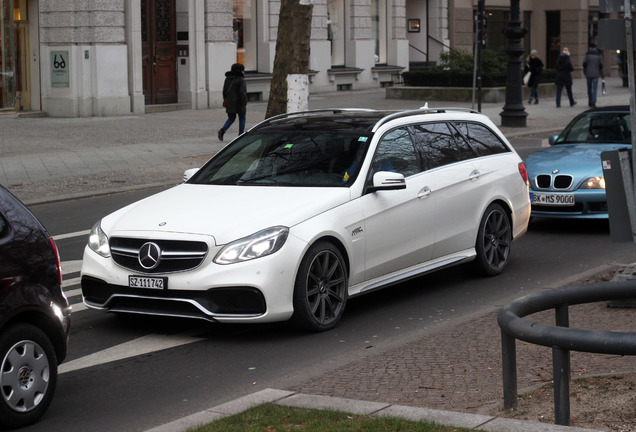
{"x":288,"y":146}
{"x":363,"y":139}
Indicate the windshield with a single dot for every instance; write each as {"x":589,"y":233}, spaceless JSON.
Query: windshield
{"x":287,"y":158}
{"x":598,"y":128}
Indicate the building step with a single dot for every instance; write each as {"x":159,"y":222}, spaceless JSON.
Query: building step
{"x":167,"y":107}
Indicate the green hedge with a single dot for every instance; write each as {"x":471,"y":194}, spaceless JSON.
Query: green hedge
{"x":434,"y":77}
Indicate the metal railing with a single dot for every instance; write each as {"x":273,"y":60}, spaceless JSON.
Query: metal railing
{"x":560,"y":337}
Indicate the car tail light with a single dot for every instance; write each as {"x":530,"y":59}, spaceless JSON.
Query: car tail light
{"x":57,"y":257}
{"x":523,"y":171}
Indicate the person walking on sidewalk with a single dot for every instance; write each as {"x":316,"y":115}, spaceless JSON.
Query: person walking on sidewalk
{"x":564,"y":77}
{"x":234,"y":98}
{"x":593,"y":69}
{"x":534,"y":65}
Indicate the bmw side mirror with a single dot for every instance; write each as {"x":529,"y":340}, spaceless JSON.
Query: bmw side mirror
{"x":552,"y":139}
{"x":187,"y":175}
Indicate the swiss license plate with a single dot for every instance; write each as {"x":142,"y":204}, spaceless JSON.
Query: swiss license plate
{"x":148,"y":282}
{"x":552,"y":199}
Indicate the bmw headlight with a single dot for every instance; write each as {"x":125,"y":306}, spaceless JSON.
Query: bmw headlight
{"x":98,"y":242}
{"x":593,"y":183}
{"x":257,"y":245}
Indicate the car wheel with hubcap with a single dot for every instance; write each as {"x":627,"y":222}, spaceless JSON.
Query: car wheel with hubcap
{"x":320,"y":291}
{"x":28,"y":375}
{"x":493,"y":241}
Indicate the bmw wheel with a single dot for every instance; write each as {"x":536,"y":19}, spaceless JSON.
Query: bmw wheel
{"x":320,"y":292}
{"x":28,"y":375}
{"x":493,"y":241}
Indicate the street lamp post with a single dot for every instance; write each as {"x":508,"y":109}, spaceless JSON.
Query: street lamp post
{"x":514,"y":113}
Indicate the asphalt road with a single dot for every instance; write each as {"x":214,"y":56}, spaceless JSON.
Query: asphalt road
{"x":133,"y":373}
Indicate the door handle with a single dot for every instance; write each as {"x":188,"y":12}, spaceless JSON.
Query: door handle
{"x":474,"y":175}
{"x":424,"y":192}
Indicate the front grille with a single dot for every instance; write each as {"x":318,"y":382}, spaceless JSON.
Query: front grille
{"x":176,"y":255}
{"x":557,"y":182}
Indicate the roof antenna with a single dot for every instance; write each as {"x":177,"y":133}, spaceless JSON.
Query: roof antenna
{"x":425,"y":106}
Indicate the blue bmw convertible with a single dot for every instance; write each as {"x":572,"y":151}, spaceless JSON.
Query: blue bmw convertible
{"x":566,"y":179}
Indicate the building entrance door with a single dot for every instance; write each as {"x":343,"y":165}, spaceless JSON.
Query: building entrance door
{"x":159,"y":51}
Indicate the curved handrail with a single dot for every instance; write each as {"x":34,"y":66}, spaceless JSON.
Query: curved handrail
{"x":511,"y":320}
{"x":560,"y":337}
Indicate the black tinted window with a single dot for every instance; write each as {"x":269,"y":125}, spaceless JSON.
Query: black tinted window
{"x":396,"y":153}
{"x":438,"y":145}
{"x":481,"y":139}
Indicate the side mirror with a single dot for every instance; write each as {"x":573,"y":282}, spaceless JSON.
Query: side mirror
{"x":552,"y":139}
{"x":189,"y":173}
{"x":386,"y":180}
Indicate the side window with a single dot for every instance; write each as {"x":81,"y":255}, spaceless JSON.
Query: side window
{"x":438,"y":145}
{"x":481,"y":139}
{"x":396,"y":153}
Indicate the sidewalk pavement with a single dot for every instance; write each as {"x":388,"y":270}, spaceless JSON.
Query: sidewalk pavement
{"x":50,"y":159}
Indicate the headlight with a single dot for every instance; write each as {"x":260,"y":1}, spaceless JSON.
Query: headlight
{"x":98,"y":241}
{"x":257,"y":245}
{"x":593,"y":183}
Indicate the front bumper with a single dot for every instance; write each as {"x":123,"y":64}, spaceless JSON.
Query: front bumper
{"x":589,"y":204}
{"x":260,"y":290}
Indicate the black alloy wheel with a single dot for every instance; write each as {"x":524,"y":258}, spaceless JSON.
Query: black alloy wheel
{"x":493,"y":241}
{"x":320,"y":292}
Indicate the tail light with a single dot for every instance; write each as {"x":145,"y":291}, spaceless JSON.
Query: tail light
{"x":57,"y":257}
{"x":523,"y":171}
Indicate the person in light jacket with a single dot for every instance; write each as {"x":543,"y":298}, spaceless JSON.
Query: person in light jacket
{"x":234,"y":98}
{"x":564,"y":77}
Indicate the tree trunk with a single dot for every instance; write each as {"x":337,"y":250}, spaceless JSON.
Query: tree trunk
{"x":291,"y":62}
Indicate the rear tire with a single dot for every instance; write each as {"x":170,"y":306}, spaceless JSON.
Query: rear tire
{"x":493,"y":242}
{"x":28,"y":375}
{"x":320,"y":291}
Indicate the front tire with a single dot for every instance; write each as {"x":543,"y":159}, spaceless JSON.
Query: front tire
{"x":493,"y":241}
{"x":28,"y":375}
{"x":320,"y":291}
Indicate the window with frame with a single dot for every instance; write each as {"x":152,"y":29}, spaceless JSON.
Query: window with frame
{"x":336,"y":31}
{"x":379,"y":30}
{"x":396,"y":153}
{"x":245,"y":32}
{"x":481,"y":139}
{"x":438,"y":145}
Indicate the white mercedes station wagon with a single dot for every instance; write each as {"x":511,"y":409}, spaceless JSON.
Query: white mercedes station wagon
{"x":309,"y":209}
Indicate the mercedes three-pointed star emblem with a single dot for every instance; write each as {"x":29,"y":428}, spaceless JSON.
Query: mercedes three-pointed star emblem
{"x":149,"y":255}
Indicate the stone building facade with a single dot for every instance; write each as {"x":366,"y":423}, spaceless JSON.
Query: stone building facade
{"x":81,"y":58}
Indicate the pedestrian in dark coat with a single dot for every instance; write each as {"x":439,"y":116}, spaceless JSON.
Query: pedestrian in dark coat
{"x":564,"y":76}
{"x":534,"y":65}
{"x":234,"y":98}
{"x":593,"y":70}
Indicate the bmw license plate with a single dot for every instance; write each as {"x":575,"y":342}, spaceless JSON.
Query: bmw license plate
{"x":148,"y":282}
{"x":552,"y":199}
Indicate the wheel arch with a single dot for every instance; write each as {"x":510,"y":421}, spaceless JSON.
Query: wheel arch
{"x":47,"y":324}
{"x":339,"y":245}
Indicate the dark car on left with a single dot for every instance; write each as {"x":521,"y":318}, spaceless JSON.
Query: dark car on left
{"x":34,"y":315}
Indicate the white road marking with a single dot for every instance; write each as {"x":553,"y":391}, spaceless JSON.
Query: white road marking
{"x":143,"y":345}
{"x":71,"y":235}
{"x":71,"y":266}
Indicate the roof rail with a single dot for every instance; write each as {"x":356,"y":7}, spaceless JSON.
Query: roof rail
{"x":308,"y":113}
{"x":423,"y":110}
